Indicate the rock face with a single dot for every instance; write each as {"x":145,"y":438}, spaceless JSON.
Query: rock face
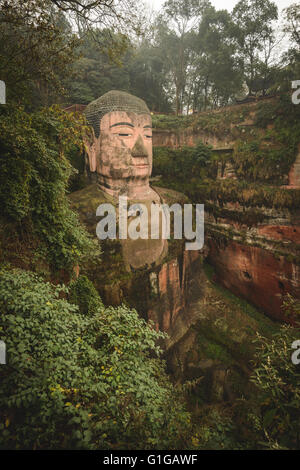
{"x":259,"y":262}
{"x":188,"y":137}
{"x":256,"y":274}
{"x":255,"y":250}
{"x":217,"y":128}
{"x":173,"y":288}
{"x":217,"y":350}
{"x":226,"y":171}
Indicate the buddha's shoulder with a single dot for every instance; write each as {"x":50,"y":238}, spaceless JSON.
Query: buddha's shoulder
{"x":85,"y":202}
{"x":89,"y":197}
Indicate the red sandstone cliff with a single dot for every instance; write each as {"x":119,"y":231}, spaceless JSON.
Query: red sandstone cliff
{"x":258,"y":262}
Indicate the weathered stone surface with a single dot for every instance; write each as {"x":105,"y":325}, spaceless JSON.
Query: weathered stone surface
{"x":162,"y":288}
{"x":258,"y":258}
{"x":188,"y":137}
{"x":281,"y":232}
{"x":227,"y":172}
{"x":255,"y":274}
{"x":217,"y":349}
{"x":255,"y":250}
{"x":120,"y":149}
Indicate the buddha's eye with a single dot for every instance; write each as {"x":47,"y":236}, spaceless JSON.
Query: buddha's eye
{"x":148,"y":136}
{"x":124,"y":135}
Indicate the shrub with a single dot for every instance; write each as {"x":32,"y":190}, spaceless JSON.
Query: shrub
{"x":83,"y":293}
{"x":277,"y":380}
{"x":34,"y":173}
{"x":80,"y":381}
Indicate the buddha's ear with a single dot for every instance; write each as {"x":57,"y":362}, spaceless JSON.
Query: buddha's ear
{"x":89,"y":141}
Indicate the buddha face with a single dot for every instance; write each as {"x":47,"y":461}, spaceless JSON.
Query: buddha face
{"x":125,"y":150}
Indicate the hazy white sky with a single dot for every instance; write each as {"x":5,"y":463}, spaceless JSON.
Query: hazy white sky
{"x":224,"y":4}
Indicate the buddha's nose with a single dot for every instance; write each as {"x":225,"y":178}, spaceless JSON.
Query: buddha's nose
{"x":139,"y":149}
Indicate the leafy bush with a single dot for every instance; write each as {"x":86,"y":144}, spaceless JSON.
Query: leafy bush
{"x":34,"y":173}
{"x":216,"y":431}
{"x":181,"y":164}
{"x":264,"y":150}
{"x":83,"y":293}
{"x":170,"y":121}
{"x":278,"y":399}
{"x":270,"y":157}
{"x":80,"y":381}
{"x":291,"y":308}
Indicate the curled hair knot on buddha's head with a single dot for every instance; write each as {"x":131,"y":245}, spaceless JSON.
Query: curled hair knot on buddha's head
{"x":113,"y":101}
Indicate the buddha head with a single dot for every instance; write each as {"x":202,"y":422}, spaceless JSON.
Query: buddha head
{"x":121,"y":150}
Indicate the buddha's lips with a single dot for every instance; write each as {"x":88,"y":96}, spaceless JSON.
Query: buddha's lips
{"x":140,"y":162}
{"x":145,"y":165}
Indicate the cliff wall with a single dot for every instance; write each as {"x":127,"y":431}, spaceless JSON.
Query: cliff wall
{"x":251,"y":192}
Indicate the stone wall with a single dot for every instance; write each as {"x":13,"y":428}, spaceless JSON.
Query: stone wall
{"x":189,"y":137}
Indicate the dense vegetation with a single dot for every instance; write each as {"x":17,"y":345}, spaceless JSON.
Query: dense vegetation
{"x":189,"y":57}
{"x":81,"y":380}
{"x":262,"y":155}
{"x":79,"y":374}
{"x":38,"y":227}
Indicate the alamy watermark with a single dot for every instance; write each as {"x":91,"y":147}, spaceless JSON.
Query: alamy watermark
{"x":2,"y":352}
{"x":2,"y":92}
{"x":296,"y":354}
{"x":296,"y":94}
{"x":136,"y":222}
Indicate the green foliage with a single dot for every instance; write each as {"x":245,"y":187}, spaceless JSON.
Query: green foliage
{"x":83,"y":293}
{"x":262,"y":163}
{"x":217,"y":431}
{"x":179,"y":164}
{"x":277,"y":402}
{"x":40,"y":48}
{"x":248,"y":194}
{"x":98,"y":69}
{"x":81,"y":381}
{"x":219,"y":74}
{"x":170,"y":121}
{"x":37,"y":47}
{"x":255,"y":35}
{"x":270,"y":157}
{"x":33,"y":179}
{"x":263,"y":152}
{"x":78,"y":179}
{"x":181,"y":170}
{"x":292,"y":23}
{"x":110,"y":61}
{"x":291,"y":308}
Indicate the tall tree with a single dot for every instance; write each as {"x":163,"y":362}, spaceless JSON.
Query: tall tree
{"x":96,"y":71}
{"x":253,"y":30}
{"x":36,"y":47}
{"x":292,"y":23}
{"x":291,"y":58}
{"x":148,"y":79}
{"x":39,"y":40}
{"x":174,"y":30}
{"x":218,"y":66}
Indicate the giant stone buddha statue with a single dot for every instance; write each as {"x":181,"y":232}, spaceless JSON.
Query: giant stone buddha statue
{"x":150,"y":274}
{"x":121,"y":151}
